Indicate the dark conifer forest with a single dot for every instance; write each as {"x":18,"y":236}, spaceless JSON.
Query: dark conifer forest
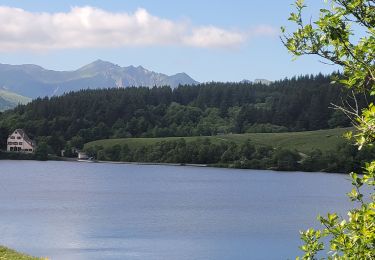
{"x":295,"y":104}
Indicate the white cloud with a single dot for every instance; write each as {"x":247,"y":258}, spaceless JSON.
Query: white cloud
{"x":85,"y":27}
{"x":211,"y":36}
{"x":264,"y":30}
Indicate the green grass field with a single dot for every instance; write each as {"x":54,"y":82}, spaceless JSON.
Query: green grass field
{"x":301,"y":141}
{"x":9,"y":254}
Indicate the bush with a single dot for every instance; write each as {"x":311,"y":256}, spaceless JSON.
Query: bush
{"x":41,"y":152}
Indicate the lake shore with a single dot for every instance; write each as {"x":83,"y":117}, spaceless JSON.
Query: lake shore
{"x":154,"y":163}
{"x":227,"y":166}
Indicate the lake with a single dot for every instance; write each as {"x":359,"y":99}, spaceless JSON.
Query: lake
{"x":69,"y":210}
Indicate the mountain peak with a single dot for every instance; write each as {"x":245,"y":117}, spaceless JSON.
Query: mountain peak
{"x":98,"y":66}
{"x":246,"y":81}
{"x":101,"y":62}
{"x":181,"y":79}
{"x":257,"y":81}
{"x":263,"y":81}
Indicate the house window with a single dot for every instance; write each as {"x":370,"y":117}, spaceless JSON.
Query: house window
{"x":12,"y":137}
{"x":10,"y":143}
{"x":18,"y":137}
{"x":19,"y":148}
{"x":20,"y":143}
{"x":11,"y":149}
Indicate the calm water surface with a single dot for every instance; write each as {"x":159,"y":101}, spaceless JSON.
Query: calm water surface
{"x":67,"y":210}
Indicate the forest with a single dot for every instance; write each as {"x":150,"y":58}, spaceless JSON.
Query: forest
{"x":301,"y":103}
{"x":295,"y":104}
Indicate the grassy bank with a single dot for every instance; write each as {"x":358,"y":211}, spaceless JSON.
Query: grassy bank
{"x":323,"y":140}
{"x":9,"y":254}
{"x":322,"y":150}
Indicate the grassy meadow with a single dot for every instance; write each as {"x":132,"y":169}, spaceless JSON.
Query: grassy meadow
{"x":301,"y":141}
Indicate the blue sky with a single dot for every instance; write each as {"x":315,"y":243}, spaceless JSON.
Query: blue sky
{"x":209,"y":40}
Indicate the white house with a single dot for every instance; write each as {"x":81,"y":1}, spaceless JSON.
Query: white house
{"x":18,"y":141}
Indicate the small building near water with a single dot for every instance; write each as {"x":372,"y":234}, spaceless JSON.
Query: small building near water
{"x":18,"y":141}
{"x":82,"y":156}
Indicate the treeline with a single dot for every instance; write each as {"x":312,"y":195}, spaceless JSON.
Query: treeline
{"x":295,"y":104}
{"x":344,"y":158}
{"x":42,"y":153}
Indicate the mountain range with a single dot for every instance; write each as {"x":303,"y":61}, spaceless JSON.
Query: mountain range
{"x":21,"y":83}
{"x":257,"y":81}
{"x":34,"y":81}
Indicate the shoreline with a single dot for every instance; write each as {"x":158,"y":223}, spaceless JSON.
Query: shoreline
{"x":75,"y":160}
{"x":189,"y":165}
{"x":143,"y":163}
{"x":224,"y":166}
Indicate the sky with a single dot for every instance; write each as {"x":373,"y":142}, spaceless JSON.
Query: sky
{"x":211,"y":40}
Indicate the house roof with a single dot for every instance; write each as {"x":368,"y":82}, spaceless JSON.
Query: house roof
{"x":24,"y":136}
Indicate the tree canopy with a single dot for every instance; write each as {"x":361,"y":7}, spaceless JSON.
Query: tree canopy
{"x":295,"y":104}
{"x":344,"y":35}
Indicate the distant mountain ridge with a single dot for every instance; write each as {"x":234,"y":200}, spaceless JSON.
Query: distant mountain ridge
{"x":257,"y":81}
{"x":34,"y":81}
{"x":262,"y":81}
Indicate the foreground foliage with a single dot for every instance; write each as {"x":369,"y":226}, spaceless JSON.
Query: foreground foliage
{"x":332,"y":38}
{"x":9,"y":254}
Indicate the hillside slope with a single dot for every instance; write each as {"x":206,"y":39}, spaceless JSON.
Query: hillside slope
{"x":307,"y":141}
{"x":10,"y":100}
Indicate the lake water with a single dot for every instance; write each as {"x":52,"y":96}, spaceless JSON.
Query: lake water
{"x":67,"y":210}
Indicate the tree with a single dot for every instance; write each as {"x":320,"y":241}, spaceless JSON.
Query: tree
{"x":41,"y":152}
{"x":286,"y":160}
{"x":77,"y":142}
{"x":247,"y":149}
{"x":3,"y":137}
{"x":332,"y":38}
